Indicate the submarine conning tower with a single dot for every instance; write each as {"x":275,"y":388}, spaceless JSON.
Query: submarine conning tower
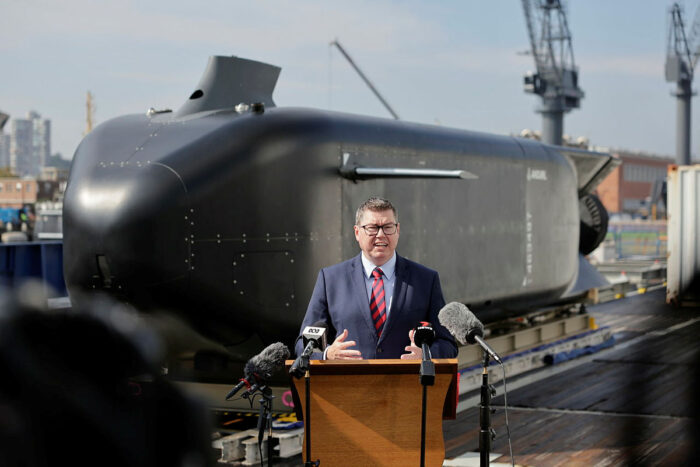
{"x":230,"y":81}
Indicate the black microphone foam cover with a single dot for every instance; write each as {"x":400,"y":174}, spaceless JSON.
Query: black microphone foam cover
{"x":267,"y":362}
{"x":250,"y":367}
{"x":460,"y":322}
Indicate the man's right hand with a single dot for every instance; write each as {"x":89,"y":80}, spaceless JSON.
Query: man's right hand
{"x":339,"y":350}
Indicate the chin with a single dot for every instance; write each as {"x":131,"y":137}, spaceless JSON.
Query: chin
{"x":381,"y":259}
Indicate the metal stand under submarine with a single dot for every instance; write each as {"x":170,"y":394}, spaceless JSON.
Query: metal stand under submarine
{"x":224,"y":211}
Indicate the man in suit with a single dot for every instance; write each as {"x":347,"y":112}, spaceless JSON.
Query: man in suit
{"x":373,"y":301}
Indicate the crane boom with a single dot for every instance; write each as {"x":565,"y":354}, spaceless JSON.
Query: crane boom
{"x":693,"y":39}
{"x":527,"y":8}
{"x":679,"y":62}
{"x":365,"y":79}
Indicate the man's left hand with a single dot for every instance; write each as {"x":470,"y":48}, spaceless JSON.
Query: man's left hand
{"x":414,"y":352}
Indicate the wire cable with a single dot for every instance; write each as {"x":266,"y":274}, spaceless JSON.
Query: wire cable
{"x":505,"y":406}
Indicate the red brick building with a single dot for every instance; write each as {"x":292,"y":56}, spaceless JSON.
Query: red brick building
{"x":16,"y":192}
{"x":628,"y":189}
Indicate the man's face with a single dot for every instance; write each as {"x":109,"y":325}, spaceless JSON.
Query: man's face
{"x":380,"y":248}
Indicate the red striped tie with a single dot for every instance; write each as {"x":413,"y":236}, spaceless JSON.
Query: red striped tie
{"x":377,"y":305}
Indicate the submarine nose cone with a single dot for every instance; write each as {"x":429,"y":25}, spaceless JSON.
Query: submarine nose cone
{"x":126,"y":231}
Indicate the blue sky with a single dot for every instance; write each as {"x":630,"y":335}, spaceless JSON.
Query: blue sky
{"x":454,"y":63}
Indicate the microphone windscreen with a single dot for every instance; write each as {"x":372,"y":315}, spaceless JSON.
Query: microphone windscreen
{"x":459,"y":320}
{"x":269,"y":360}
{"x":250,"y":366}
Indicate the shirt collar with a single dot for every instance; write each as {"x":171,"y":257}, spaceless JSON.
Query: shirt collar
{"x":387,"y":268}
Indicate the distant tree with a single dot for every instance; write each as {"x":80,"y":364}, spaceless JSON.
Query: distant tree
{"x":58,"y":161}
{"x":6,"y":172}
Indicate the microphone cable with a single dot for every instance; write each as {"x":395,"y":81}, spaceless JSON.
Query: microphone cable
{"x":505,"y":406}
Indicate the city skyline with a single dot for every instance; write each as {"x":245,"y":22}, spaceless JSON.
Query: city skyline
{"x":27,"y":146}
{"x":458,"y":64}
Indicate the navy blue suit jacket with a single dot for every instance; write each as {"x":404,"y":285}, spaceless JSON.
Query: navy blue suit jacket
{"x":340,"y":299}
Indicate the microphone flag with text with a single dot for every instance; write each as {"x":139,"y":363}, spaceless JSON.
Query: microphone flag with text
{"x":261,"y":367}
{"x":465,"y":327}
{"x":314,"y":340}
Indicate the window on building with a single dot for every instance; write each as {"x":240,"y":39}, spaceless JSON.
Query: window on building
{"x":642,"y":173}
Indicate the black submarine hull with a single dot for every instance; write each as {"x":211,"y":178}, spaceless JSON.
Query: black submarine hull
{"x":225,"y":217}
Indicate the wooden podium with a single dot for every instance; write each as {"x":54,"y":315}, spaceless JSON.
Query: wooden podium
{"x":368,"y":412}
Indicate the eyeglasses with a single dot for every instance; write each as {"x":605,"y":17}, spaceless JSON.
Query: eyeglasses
{"x":372,"y":230}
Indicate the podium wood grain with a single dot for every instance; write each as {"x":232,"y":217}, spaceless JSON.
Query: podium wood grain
{"x":369,"y":412}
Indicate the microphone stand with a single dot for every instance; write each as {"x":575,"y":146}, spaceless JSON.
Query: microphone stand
{"x":265,"y":422}
{"x":307,"y":420}
{"x":303,"y":364}
{"x":427,"y":378}
{"x":486,"y":434}
{"x":264,"y":416}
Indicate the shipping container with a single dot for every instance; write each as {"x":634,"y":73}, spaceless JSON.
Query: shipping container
{"x":683,"y":240}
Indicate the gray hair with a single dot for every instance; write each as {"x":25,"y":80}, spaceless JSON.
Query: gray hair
{"x":375,"y":204}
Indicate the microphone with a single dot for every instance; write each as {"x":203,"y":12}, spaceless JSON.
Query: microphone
{"x":424,"y":336}
{"x":314,"y":339}
{"x":465,"y":327}
{"x":261,"y":367}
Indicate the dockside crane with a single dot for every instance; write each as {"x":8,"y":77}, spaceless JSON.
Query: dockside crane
{"x":89,"y":112}
{"x":681,"y":57}
{"x":556,"y":78}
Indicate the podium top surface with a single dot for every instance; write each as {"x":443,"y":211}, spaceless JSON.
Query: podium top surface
{"x":379,"y":366}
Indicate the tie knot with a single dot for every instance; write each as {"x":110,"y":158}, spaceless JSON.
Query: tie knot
{"x":377,"y":273}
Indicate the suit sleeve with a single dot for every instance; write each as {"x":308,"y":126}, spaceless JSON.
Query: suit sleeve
{"x":315,"y":312}
{"x":444,"y":345}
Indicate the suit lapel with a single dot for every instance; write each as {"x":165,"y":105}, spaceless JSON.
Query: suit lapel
{"x":397,"y":301}
{"x":357,"y":274}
